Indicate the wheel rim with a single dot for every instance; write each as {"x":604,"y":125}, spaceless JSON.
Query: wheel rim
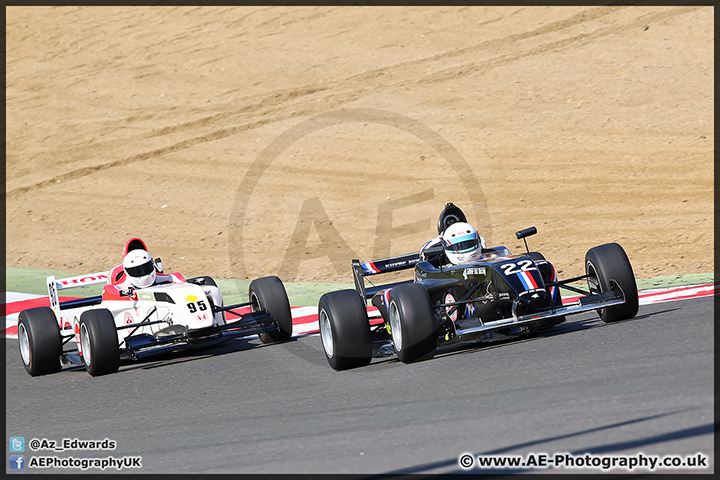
{"x":326,"y":334}
{"x":85,"y":344}
{"x":255,"y":303}
{"x":595,"y":286}
{"x":24,"y":342}
{"x":395,"y":327}
{"x":593,"y":280}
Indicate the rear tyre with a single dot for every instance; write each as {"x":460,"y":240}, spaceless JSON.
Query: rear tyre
{"x":39,"y":341}
{"x":344,"y":329}
{"x":610,"y":262}
{"x":412,"y":323}
{"x":99,"y":342}
{"x":268,"y":293}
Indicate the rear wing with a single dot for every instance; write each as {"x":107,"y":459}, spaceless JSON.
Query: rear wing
{"x":376,"y":267}
{"x":54,"y":285}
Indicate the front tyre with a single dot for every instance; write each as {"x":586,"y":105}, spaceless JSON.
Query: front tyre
{"x":610,"y":262}
{"x":99,"y":342}
{"x":344,"y":329}
{"x":412,"y":323}
{"x":39,"y":341}
{"x":268,"y":293}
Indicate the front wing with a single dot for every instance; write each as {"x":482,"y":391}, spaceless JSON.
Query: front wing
{"x":138,"y":346}
{"x":583,"y":304}
{"x":180,"y":337}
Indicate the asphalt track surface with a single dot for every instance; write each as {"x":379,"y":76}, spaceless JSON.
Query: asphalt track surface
{"x":639,"y":386}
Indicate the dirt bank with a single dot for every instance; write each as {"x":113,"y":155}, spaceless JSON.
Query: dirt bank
{"x":247,"y":141}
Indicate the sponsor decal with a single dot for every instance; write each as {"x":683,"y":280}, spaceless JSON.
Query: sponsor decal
{"x":370,"y":268}
{"x":475,"y":271}
{"x":81,"y":280}
{"x":527,"y":280}
{"x":128,"y":318}
{"x":148,"y":296}
{"x":532,"y":293}
{"x":450,"y":299}
{"x":191,"y":298}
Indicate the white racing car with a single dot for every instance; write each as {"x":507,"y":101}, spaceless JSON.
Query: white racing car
{"x":99,"y":331}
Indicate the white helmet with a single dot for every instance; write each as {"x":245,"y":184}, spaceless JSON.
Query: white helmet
{"x":462,"y":243}
{"x":139,"y":267}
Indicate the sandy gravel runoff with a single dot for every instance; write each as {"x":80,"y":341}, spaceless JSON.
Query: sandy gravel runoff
{"x":249,"y":141}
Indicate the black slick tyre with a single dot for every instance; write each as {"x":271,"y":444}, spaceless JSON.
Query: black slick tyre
{"x":39,"y":341}
{"x":610,"y":262}
{"x":268,"y":293}
{"x":99,"y":342}
{"x":412,"y":323}
{"x":344,"y":329}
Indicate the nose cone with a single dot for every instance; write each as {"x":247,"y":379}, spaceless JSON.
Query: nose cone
{"x":536,"y":297}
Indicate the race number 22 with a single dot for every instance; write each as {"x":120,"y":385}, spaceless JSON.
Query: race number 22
{"x":518,"y":267}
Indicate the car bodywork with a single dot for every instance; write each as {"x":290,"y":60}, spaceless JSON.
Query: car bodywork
{"x":500,"y":296}
{"x":163,"y":317}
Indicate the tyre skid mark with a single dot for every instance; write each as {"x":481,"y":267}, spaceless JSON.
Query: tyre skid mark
{"x":561,"y":44}
{"x":350,"y":88}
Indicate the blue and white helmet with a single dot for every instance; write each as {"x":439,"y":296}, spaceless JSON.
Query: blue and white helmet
{"x":462,"y":243}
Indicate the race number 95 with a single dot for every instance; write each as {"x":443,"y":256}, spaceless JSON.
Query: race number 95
{"x":201,"y":305}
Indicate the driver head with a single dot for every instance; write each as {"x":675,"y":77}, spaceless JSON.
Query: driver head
{"x":462,"y":243}
{"x":139,"y":267}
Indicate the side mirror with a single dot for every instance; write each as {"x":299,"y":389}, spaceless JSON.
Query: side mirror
{"x":158,"y":265}
{"x":526,"y":233}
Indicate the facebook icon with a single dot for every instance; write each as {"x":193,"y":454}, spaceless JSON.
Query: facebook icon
{"x":17,"y":462}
